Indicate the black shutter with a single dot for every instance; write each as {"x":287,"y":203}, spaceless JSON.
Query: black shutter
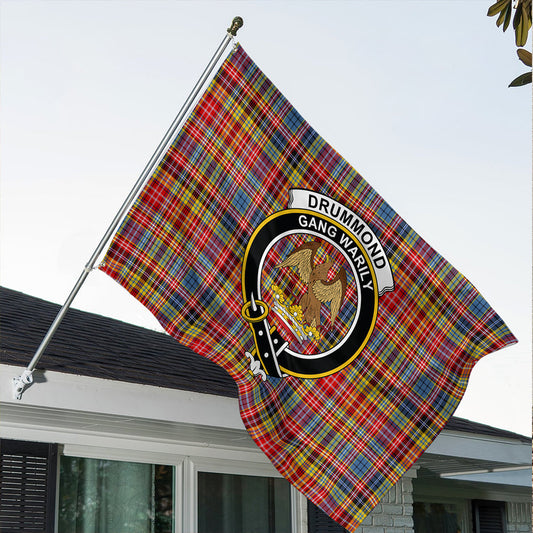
{"x":28,"y":474}
{"x":319,"y":522}
{"x":489,"y":516}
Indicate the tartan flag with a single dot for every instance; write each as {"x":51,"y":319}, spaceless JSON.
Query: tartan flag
{"x":350,"y":339}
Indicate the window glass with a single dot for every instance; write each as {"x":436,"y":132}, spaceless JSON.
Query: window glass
{"x":436,"y":518}
{"x":101,"y":496}
{"x":229,"y":503}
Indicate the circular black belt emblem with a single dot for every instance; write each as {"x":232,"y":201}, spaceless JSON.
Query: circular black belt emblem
{"x":310,"y":294}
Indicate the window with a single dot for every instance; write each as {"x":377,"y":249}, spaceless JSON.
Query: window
{"x":111,"y":490}
{"x":436,"y":517}
{"x":102,"y":496}
{"x":232,"y":503}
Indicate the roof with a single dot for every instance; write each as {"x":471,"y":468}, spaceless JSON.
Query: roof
{"x":92,"y":345}
{"x":467,"y":426}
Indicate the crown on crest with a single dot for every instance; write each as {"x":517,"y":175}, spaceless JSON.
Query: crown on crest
{"x":292,"y":316}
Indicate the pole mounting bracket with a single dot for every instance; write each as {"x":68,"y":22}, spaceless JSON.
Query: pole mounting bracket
{"x":21,"y":382}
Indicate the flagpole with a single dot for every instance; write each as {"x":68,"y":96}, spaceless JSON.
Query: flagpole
{"x":26,"y":378}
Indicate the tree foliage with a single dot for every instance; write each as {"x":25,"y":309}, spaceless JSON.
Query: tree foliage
{"x":521,"y":25}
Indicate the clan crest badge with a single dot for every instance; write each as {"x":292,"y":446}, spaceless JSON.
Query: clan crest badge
{"x":311,"y":278}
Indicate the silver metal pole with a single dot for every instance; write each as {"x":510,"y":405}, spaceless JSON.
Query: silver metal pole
{"x":26,"y":378}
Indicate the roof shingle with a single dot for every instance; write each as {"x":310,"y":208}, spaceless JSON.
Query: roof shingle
{"x":92,"y":345}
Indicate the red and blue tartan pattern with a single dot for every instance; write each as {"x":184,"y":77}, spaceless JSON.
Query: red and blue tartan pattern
{"x":343,"y":440}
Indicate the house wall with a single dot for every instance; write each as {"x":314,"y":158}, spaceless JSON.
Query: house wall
{"x":518,"y":517}
{"x":394,"y":513}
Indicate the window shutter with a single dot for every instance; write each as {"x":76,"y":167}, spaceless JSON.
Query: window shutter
{"x":489,"y":516}
{"x":319,"y":522}
{"x":28,"y":474}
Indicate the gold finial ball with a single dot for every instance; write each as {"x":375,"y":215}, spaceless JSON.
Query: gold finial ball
{"x":236,"y":24}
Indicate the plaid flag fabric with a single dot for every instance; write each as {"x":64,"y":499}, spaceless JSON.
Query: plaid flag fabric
{"x":258,"y":246}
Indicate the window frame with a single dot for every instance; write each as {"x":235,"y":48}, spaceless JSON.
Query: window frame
{"x":186,"y":468}
{"x":193,"y":465}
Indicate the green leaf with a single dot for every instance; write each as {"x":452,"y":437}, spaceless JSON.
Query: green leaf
{"x":502,"y":16}
{"x":520,"y":26}
{"x":523,"y":79}
{"x":497,"y":7}
{"x":516,"y":19}
{"x":524,"y":56}
{"x":508,"y":15}
{"x":523,"y":26}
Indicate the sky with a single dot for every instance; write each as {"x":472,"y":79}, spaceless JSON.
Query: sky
{"x":414,"y":94}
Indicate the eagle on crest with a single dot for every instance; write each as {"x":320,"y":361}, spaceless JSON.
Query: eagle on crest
{"x":319,"y":290}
